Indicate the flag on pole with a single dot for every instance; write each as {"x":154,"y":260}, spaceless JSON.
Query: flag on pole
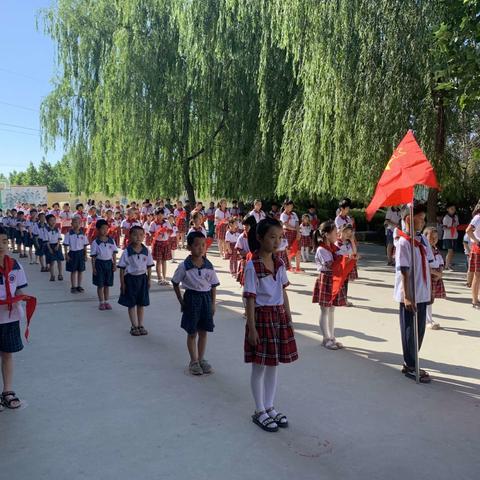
{"x":341,"y":268}
{"x":407,"y":167}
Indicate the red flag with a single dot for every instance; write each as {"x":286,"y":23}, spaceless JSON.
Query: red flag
{"x":341,"y":268}
{"x":293,"y":249}
{"x":407,"y":167}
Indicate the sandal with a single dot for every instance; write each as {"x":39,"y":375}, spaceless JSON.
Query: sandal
{"x":410,"y":373}
{"x":60,"y":277}
{"x":330,"y":345}
{"x":142,"y":330}
{"x":73,"y":290}
{"x":52,"y":279}
{"x":280,"y":419}
{"x":80,"y":289}
{"x":7,"y":402}
{"x":134,"y":332}
{"x":268,"y":424}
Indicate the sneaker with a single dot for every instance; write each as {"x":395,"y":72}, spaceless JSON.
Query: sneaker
{"x":195,"y":368}
{"x":435,"y":326}
{"x":205,"y":366}
{"x":102,"y":306}
{"x":107,"y":306}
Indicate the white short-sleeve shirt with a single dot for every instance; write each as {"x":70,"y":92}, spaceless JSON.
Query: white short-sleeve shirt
{"x":437,"y":260}
{"x":17,"y":279}
{"x":258,"y":215}
{"x":475,"y":222}
{"x":52,"y":235}
{"x":265,"y":286}
{"x":403,"y":259}
{"x":305,"y":230}
{"x":191,"y":277}
{"x":289,"y":219}
{"x":164,"y":236}
{"x":323,"y":259}
{"x":344,"y":248}
{"x":201,"y":230}
{"x":103,"y":250}
{"x":232,"y":237}
{"x":76,"y":241}
{"x":448,"y":223}
{"x":242,"y":244}
{"x":341,"y":221}
{"x":136,"y":263}
{"x":221,"y":215}
{"x":283,"y":245}
{"x":394,"y":217}
{"x":66,"y":218}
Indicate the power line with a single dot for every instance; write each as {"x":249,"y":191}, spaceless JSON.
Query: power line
{"x":19,"y":126}
{"x":12,"y":72}
{"x":21,"y":133}
{"x":18,"y":106}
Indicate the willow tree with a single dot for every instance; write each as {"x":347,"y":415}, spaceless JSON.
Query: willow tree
{"x":362,"y":73}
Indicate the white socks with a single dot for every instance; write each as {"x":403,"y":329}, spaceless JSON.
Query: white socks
{"x":305,"y":254}
{"x":263,"y":382}
{"x":327,"y":322}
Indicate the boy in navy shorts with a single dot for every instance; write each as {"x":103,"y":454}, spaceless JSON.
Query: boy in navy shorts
{"x":198,"y":278}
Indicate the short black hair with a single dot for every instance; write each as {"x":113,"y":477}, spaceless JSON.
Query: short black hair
{"x":135,"y":227}
{"x":345,"y":203}
{"x":3,"y":231}
{"x":159,"y":211}
{"x":192,"y":236}
{"x":100,"y":223}
{"x":49,"y":216}
{"x":79,"y":205}
{"x":262,"y":228}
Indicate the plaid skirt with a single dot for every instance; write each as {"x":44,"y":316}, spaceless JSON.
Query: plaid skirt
{"x":234,"y":255}
{"x":221,"y":231}
{"x":438,"y":288}
{"x":10,"y":337}
{"x":182,"y":226}
{"x":173,"y":243}
{"x":474,"y":264}
{"x":240,"y":271}
{"x":306,"y":241}
{"x":162,"y":251}
{"x":353,"y":275}
{"x":284,"y":256}
{"x":277,"y":342}
{"x":322,"y":292}
{"x":291,"y":236}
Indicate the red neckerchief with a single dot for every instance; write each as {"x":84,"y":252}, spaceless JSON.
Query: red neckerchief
{"x":331,"y":247}
{"x":423,"y":252}
{"x":5,"y":270}
{"x":261,"y":269}
{"x":161,"y":230}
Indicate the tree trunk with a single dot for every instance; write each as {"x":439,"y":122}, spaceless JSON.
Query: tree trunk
{"x":187,"y":182}
{"x":440,"y":139}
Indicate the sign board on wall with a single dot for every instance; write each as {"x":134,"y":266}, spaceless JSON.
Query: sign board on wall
{"x":13,"y":195}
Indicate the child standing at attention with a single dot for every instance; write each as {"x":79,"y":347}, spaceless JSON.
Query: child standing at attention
{"x":436,"y":268}
{"x":161,"y":230}
{"x":291,"y":229}
{"x":198,"y":278}
{"x":404,"y":281}
{"x":173,"y":236}
{"x":269,"y":337}
{"x":231,"y":238}
{"x":197,"y":226}
{"x":324,"y":239}
{"x":39,"y":231}
{"x":450,"y":234}
{"x":53,"y":249}
{"x":103,"y":252}
{"x":75,"y":246}
{"x":135,"y":267}
{"x":243,"y":248}
{"x":306,"y":237}
{"x":10,"y":337}
{"x":473,"y":232}
{"x":180,"y":215}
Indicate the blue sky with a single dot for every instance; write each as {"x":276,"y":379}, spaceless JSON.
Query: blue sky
{"x":26,"y":67}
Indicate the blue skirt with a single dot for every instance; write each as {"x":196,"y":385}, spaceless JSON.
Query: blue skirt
{"x":38,"y":243}
{"x":136,"y":291}
{"x":10,"y":337}
{"x":104,"y":276}
{"x":76,"y":262}
{"x":56,"y":256}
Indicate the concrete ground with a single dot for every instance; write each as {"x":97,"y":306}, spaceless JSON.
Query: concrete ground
{"x":100,"y":404}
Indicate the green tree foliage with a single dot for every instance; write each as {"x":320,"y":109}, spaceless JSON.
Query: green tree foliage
{"x":54,"y":177}
{"x":247,"y":98}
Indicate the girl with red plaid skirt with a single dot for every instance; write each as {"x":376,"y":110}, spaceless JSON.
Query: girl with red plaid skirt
{"x":173,"y":236}
{"x":436,"y":269}
{"x":180,"y":215}
{"x":231,"y":238}
{"x":325,"y":238}
{"x":269,"y":337}
{"x":161,"y":230}
{"x":243,"y":248}
{"x":291,"y":229}
{"x":473,"y":232}
{"x":221,"y":224}
{"x":305,"y":237}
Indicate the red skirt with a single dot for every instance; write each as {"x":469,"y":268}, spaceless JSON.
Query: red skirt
{"x":474,"y":264}
{"x":240,"y":271}
{"x":306,"y":241}
{"x":283,"y":255}
{"x":353,"y":275}
{"x":322,"y":292}
{"x":291,"y":236}
{"x":221,"y":231}
{"x":161,"y":251}
{"x":277,"y":342}
{"x":182,"y":225}
{"x":173,"y":243}
{"x":234,"y":254}
{"x":438,"y":288}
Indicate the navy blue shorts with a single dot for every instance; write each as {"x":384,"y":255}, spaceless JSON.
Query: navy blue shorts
{"x":389,"y":235}
{"x":11,"y":232}
{"x":449,"y":244}
{"x":22,"y":238}
{"x":10,"y":337}
{"x":136,"y":291}
{"x":104,"y":276}
{"x":38,"y":243}
{"x":57,"y":254}
{"x":197,"y":313}
{"x":76,"y":262}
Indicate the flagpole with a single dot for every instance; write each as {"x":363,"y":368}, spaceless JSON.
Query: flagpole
{"x":412,"y":284}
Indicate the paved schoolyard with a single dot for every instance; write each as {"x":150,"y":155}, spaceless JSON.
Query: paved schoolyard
{"x":100,"y":404}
